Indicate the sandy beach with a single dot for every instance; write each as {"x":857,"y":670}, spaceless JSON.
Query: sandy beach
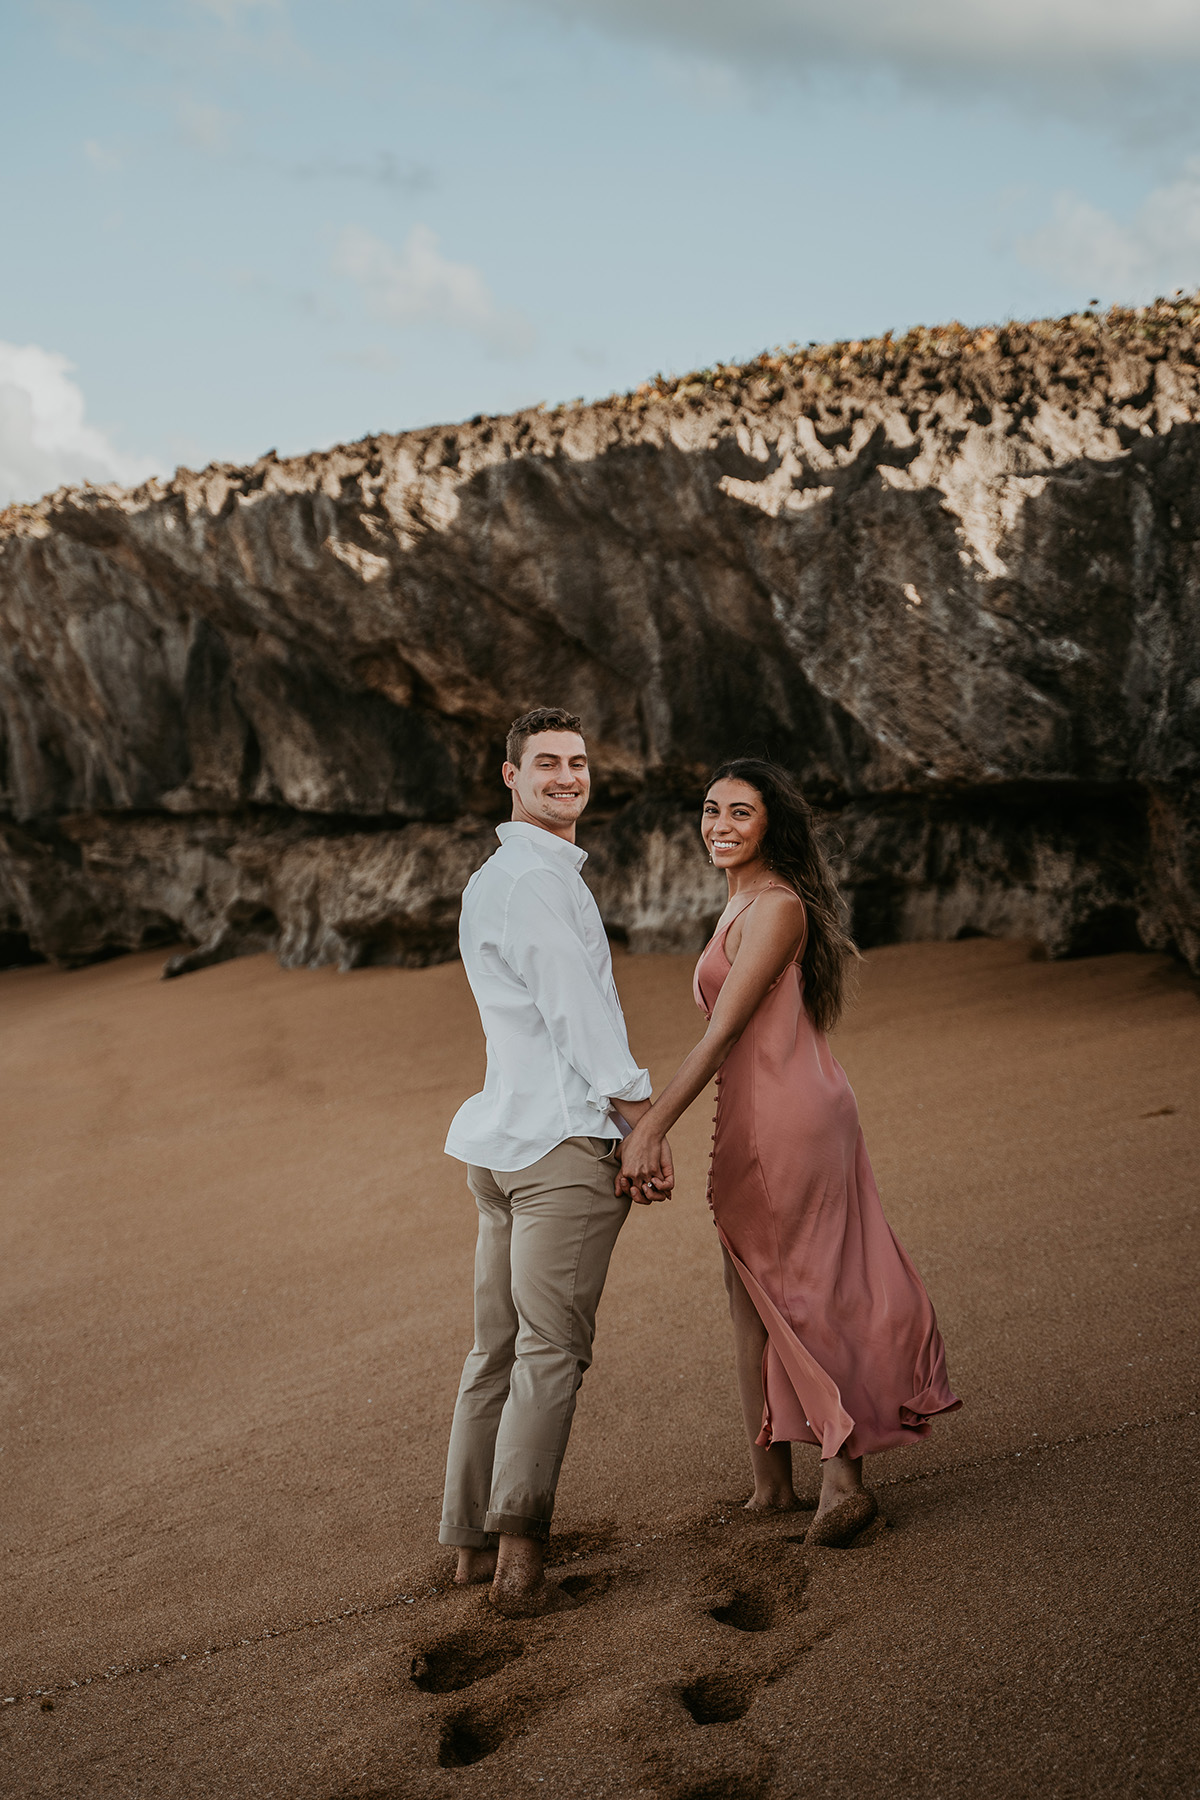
{"x":236,"y":1285}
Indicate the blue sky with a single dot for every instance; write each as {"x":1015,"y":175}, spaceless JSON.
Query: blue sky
{"x":238,"y":224}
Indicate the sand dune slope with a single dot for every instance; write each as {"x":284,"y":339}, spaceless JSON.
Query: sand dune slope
{"x":235,"y":1280}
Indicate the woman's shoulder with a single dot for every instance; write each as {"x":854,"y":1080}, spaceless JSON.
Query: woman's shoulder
{"x":774,"y":918}
{"x":780,"y":901}
{"x":775,"y":914}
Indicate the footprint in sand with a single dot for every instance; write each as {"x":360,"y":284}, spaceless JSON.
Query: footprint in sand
{"x":748,"y":1609}
{"x":468,"y":1736}
{"x":718,"y":1699}
{"x":585,"y":1586}
{"x":446,"y":1665}
{"x":586,"y":1541}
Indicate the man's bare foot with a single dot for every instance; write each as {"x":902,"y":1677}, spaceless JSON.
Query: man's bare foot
{"x":514,"y":1602}
{"x":474,"y":1567}
{"x":519,"y":1588}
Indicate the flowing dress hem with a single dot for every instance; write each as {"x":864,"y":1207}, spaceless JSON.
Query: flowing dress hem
{"x":921,"y":1410}
{"x":815,"y":1389}
{"x":830,"y":1426}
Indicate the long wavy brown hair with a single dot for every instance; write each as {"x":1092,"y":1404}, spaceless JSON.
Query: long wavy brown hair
{"x":792,"y":847}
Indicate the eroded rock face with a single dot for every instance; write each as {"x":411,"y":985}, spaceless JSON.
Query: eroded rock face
{"x":951,"y":580}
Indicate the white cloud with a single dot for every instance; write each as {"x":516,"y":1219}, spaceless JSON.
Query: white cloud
{"x":372,"y":357}
{"x":420,"y":286}
{"x":229,"y":11}
{"x":45,"y":441}
{"x":102,"y":156}
{"x":305,"y":301}
{"x":910,"y":31}
{"x":1155,"y":251}
{"x":205,"y":126}
{"x":1093,"y":56}
{"x":384,"y":170}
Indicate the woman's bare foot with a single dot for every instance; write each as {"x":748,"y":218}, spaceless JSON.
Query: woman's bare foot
{"x":846,"y":1506}
{"x":841,"y":1477}
{"x":519,"y":1588}
{"x":474,"y":1567}
{"x":771,"y":1466}
{"x":772,"y":1499}
{"x":836,"y":1526}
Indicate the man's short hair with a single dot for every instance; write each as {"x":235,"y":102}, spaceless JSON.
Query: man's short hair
{"x":542,"y":718}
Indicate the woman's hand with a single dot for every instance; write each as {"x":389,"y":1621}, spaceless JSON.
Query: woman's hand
{"x":647,"y":1172}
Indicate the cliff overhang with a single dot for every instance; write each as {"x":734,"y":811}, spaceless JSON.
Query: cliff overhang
{"x":951,"y":579}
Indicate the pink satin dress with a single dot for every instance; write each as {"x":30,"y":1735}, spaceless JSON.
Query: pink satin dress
{"x":854,"y":1358}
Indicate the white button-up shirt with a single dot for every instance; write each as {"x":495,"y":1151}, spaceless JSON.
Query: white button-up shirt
{"x":538,"y":962}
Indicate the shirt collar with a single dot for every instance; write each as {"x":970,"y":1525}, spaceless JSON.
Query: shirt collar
{"x":544,"y":842}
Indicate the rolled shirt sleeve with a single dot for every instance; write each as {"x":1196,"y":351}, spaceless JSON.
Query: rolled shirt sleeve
{"x":541,"y":946}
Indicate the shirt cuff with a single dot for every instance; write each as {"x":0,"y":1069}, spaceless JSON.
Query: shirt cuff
{"x":637,"y":1089}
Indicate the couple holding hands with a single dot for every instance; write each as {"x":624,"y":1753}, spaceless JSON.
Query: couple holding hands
{"x":835,"y":1341}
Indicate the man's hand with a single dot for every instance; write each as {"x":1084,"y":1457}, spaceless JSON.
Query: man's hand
{"x":647,"y":1171}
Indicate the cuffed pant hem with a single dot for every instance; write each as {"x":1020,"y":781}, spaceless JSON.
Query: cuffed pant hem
{"x":516,"y":1525}
{"x":465,"y":1537}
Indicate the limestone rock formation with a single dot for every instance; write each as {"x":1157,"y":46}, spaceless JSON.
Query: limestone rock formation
{"x":951,"y":579}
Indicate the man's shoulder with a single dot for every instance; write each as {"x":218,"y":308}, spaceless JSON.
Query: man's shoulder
{"x":510,"y":860}
{"x":515,"y":864}
{"x":519,"y":858}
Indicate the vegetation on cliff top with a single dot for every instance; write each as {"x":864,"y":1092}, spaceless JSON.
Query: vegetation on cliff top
{"x":1165,"y":324}
{"x":1064,"y":353}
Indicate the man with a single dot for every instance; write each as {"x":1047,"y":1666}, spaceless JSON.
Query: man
{"x":540,"y":1143}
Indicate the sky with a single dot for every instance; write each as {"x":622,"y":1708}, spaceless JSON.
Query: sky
{"x":237,"y":225}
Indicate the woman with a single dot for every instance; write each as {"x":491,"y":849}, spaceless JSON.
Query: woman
{"x":835,"y":1339}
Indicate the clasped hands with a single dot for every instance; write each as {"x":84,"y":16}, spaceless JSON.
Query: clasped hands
{"x":647,"y":1172}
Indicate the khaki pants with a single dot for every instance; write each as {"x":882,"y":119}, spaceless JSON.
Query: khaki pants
{"x":546,"y":1234}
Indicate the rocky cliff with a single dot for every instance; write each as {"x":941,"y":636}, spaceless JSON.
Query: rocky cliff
{"x":951,"y":579}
